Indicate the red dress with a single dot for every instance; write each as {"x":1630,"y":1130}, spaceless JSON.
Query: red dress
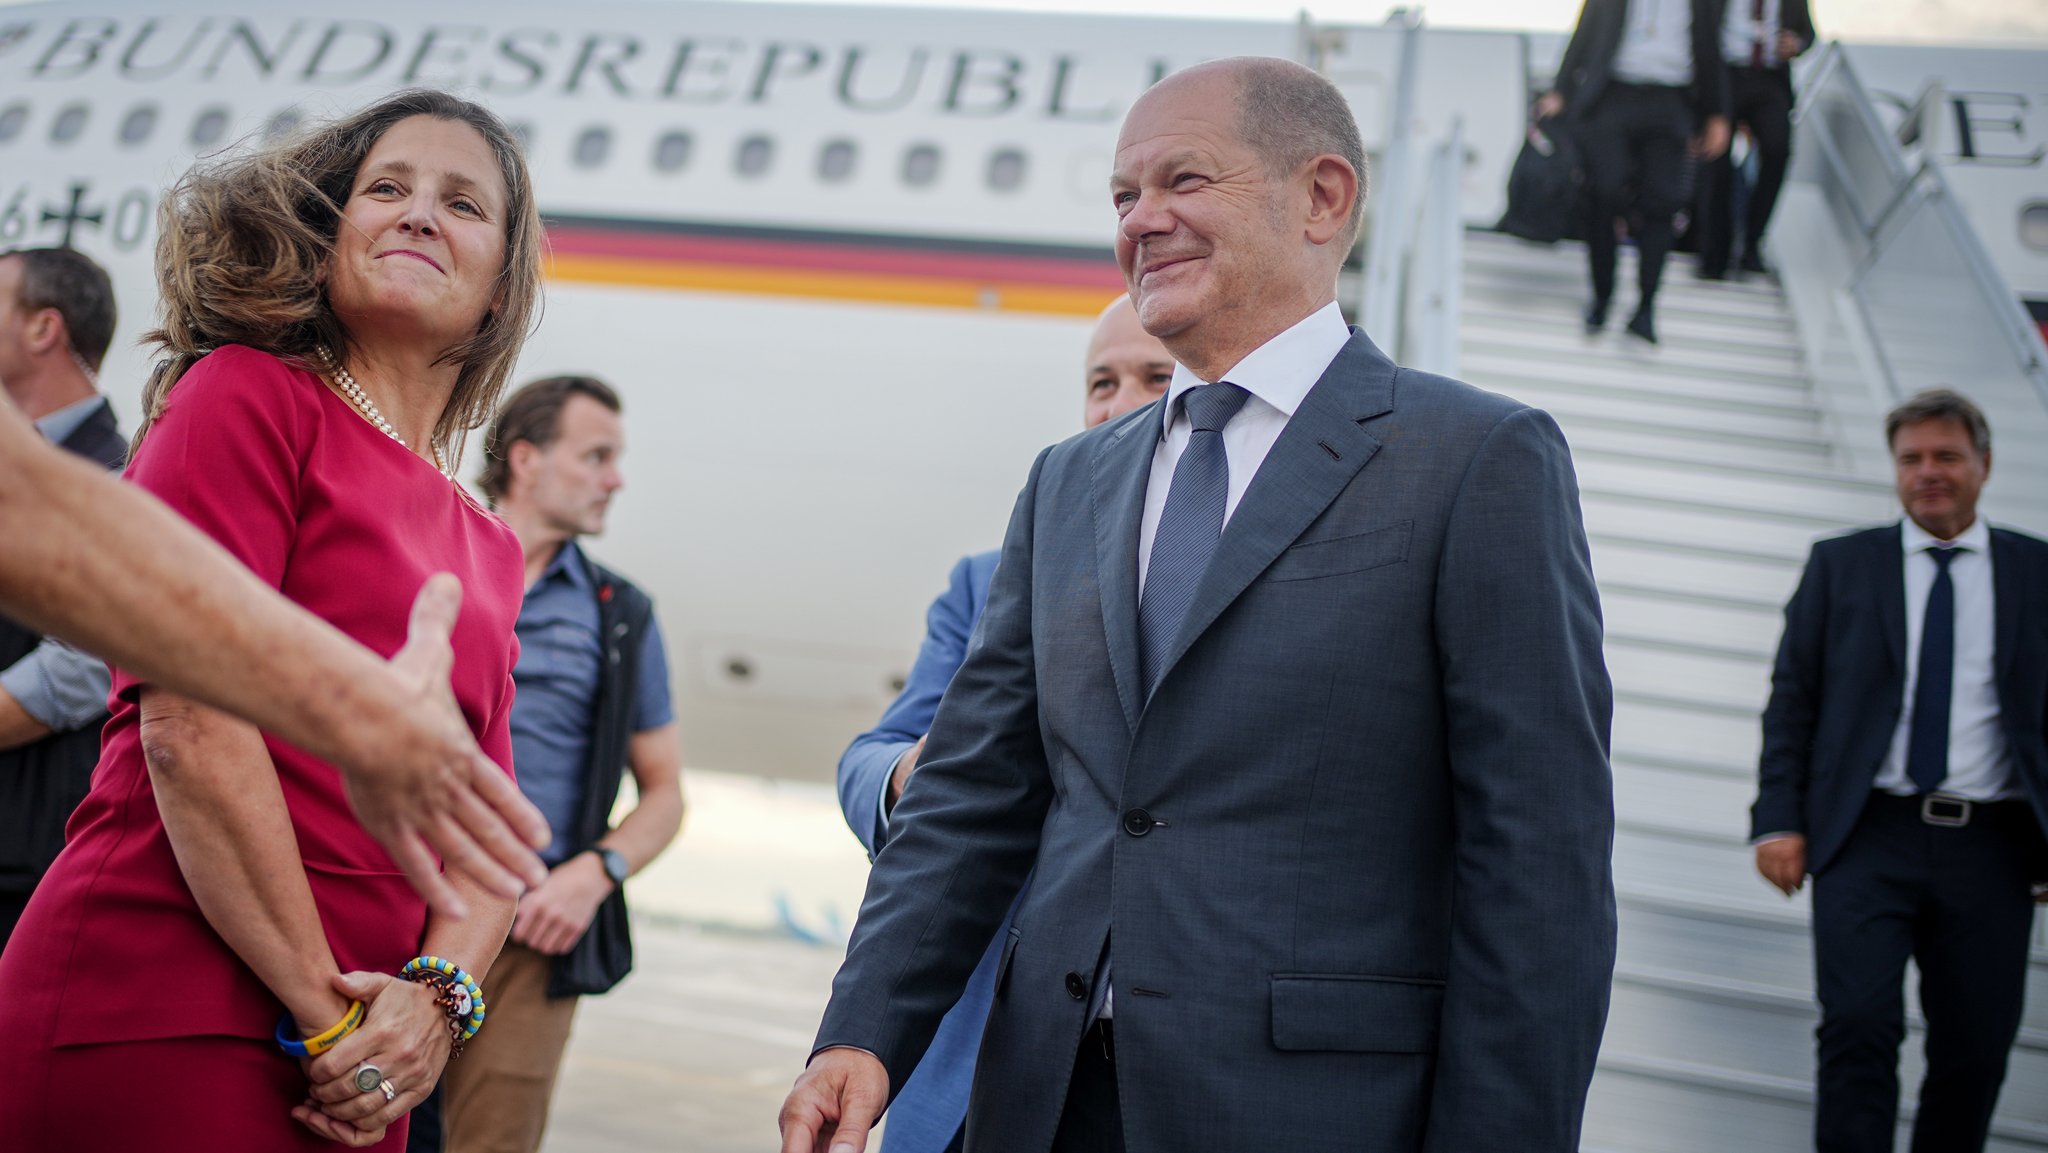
{"x":125,"y":1021}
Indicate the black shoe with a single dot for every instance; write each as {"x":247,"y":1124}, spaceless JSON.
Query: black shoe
{"x":1751,"y":262}
{"x":1596,"y":314}
{"x":1705,"y":273}
{"x":1640,"y":325}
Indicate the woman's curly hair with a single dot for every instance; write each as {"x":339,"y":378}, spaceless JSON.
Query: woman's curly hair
{"x":243,"y":241}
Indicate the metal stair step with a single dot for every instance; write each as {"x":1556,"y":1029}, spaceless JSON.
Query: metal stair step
{"x":1736,"y":575}
{"x":1685,"y":444}
{"x":1645,"y":618}
{"x":1611,"y":356}
{"x":1835,"y":498}
{"x":1628,"y":408}
{"x":1680,"y":522}
{"x":1708,"y":681}
{"x":1777,"y":347}
{"x":1501,"y":367}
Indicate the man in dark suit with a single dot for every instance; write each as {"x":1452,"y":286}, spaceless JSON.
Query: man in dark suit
{"x":1291,"y":689}
{"x":56,"y":320}
{"x":1905,"y":767}
{"x":1640,"y":79}
{"x":1759,"y":39}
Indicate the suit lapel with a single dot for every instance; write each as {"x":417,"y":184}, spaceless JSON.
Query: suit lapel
{"x":1891,"y":594}
{"x":1321,"y":449}
{"x":2006,"y":595}
{"x":1123,"y":466}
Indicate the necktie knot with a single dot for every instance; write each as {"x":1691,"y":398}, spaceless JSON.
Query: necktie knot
{"x":1943,"y":554}
{"x":1211,"y":406}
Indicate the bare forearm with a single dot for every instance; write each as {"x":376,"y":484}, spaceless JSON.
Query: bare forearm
{"x":17,"y":727}
{"x":656,"y":758}
{"x":474,"y":939}
{"x":225,"y":815}
{"x":172,"y":607}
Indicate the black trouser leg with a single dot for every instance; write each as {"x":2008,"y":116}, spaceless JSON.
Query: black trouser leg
{"x":1093,"y":1118}
{"x":1717,"y":216}
{"x":1973,"y":972}
{"x":1769,"y":117}
{"x":1658,"y":138}
{"x":1863,"y":913}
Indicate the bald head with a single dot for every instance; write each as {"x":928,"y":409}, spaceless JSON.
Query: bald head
{"x":1127,"y":368}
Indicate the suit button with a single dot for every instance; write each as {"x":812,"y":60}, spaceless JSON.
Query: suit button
{"x":1137,"y":822}
{"x":1076,"y":987}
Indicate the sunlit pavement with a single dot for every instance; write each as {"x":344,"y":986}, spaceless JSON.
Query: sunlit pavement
{"x":737,"y":932}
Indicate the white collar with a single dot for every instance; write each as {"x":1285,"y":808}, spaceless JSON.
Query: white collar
{"x":1976,"y":538}
{"x":1282,"y":370}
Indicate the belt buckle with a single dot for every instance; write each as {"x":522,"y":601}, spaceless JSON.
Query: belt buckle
{"x":1945,"y":812}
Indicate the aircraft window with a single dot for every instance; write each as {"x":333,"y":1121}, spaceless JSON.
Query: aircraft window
{"x":921,"y":165}
{"x":210,"y":127}
{"x":69,"y":123}
{"x":12,"y":121}
{"x":2034,"y":226}
{"x":283,"y":124}
{"x":1006,"y":170}
{"x":672,"y":151}
{"x":756,"y":153}
{"x":835,"y":163}
{"x":593,"y":147}
{"x":138,"y":124}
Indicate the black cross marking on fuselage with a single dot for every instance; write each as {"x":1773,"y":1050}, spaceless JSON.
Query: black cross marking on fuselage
{"x":74,"y":215}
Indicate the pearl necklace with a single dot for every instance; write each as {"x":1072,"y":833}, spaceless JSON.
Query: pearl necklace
{"x":363,"y":404}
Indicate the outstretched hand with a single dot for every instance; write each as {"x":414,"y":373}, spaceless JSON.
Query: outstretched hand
{"x":830,"y":1109}
{"x":434,"y":790}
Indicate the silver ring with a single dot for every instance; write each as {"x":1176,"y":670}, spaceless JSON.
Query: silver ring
{"x":390,"y":1092}
{"x":369,"y":1078}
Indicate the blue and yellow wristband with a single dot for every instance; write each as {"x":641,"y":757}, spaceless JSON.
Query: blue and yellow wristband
{"x":462,"y":997}
{"x":296,"y":1046}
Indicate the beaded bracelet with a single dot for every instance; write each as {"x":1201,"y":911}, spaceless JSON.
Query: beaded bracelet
{"x":458,"y":995}
{"x":313,"y":1046}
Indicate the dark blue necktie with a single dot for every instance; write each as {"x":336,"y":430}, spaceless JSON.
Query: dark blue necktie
{"x":1927,"y":741}
{"x":1190,"y":524}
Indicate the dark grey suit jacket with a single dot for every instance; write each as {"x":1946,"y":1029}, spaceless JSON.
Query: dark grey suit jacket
{"x":1352,"y":856}
{"x":1588,"y":65}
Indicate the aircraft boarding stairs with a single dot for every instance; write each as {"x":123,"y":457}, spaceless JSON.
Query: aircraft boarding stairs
{"x":1706,"y":469}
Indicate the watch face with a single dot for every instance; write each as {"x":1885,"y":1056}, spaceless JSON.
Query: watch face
{"x":614,"y":865}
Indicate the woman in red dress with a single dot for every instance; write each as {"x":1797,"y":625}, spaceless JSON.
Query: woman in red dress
{"x":338,"y":311}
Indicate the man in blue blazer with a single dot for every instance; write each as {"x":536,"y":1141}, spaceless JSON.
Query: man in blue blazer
{"x":1905,"y":766}
{"x":1290,"y":690}
{"x":1125,"y":369}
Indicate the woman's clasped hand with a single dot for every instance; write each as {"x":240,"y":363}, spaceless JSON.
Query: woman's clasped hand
{"x":404,"y":1036}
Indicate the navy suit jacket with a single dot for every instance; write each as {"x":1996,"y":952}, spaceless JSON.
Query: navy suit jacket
{"x":928,"y":1111}
{"x":1839,"y":685}
{"x":1352,"y":854}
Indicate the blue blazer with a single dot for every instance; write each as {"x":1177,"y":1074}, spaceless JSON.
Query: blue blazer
{"x":1840,"y":683}
{"x":928,"y":1112}
{"x":1353,"y":848}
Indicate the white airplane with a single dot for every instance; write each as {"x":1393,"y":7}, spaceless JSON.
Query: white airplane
{"x":839,"y":260}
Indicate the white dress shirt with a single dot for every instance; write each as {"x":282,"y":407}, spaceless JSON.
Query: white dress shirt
{"x":1979,"y":765}
{"x":1278,"y":374}
{"x":1656,"y":44}
{"x":1742,"y":31}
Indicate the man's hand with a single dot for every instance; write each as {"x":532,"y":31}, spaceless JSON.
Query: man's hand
{"x":553,"y":917}
{"x":1712,"y":140}
{"x":834,"y":1103}
{"x":905,"y":765}
{"x":435,"y":791}
{"x":1782,"y":861}
{"x":1789,"y":45}
{"x":1548,"y":105}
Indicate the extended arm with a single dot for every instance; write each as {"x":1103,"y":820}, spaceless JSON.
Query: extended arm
{"x":1777,"y":821}
{"x":108,"y":567}
{"x":870,"y":762}
{"x":1528,"y":708}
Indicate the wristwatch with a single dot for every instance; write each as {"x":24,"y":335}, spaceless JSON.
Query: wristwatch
{"x":615,"y":865}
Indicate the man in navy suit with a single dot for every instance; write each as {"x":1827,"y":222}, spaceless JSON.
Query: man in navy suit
{"x":1289,"y":698}
{"x":1905,"y":767}
{"x":1126,"y":368}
